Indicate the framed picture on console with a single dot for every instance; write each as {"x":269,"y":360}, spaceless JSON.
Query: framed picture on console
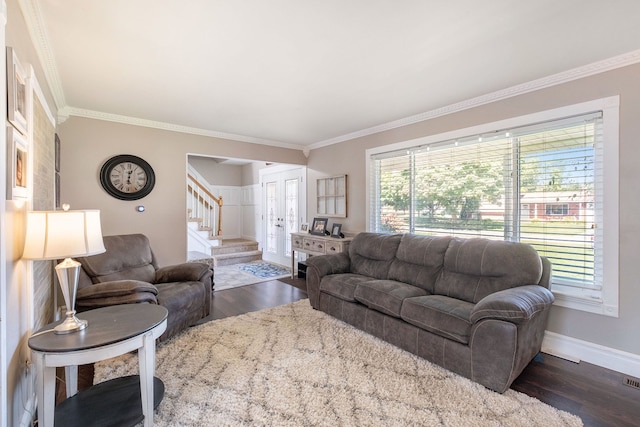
{"x":335,"y":230}
{"x":319,"y":226}
{"x":304,"y":227}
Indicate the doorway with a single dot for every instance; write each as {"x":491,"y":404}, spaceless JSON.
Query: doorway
{"x":283,"y":210}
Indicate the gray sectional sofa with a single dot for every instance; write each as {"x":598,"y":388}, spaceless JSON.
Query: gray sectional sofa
{"x":474,"y":306}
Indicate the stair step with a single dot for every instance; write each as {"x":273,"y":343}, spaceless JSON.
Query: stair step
{"x":230,"y":246}
{"x":237,"y":257}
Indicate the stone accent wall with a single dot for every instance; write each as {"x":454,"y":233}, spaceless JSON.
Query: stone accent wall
{"x":43,"y":199}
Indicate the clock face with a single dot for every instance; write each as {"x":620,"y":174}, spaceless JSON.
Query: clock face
{"x":127,"y":177}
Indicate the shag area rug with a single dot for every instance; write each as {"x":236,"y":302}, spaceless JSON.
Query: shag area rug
{"x":233,"y":276}
{"x":295,"y":366}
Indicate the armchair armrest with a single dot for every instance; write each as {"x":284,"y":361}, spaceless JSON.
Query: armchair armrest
{"x":186,"y":272}
{"x":515,"y":305}
{"x":116,"y":292}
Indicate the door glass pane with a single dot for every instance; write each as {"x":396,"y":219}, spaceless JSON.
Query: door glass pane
{"x":272,"y":215}
{"x":291,"y":209}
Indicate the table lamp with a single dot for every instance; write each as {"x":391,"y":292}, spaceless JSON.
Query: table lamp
{"x":64,"y":234}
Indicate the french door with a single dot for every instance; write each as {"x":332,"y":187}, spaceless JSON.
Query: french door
{"x":283,"y":210}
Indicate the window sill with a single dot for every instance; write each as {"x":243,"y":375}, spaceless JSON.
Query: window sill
{"x":584,"y":303}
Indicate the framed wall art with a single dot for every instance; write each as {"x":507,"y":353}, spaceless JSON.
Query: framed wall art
{"x":16,"y":92}
{"x":332,"y":196}
{"x":17,"y":165}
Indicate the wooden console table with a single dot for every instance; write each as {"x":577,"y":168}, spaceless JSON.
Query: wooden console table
{"x":316,"y":245}
{"x":112,"y":331}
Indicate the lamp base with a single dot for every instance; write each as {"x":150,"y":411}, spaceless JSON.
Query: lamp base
{"x":71,"y":324}
{"x":68,"y":272}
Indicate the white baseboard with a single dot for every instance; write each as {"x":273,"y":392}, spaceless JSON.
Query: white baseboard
{"x":576,"y":350}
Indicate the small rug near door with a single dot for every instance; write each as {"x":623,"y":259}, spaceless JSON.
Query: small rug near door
{"x":233,"y":276}
{"x":296,"y":366}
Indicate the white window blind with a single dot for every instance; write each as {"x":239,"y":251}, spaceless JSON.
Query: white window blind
{"x":540,"y":184}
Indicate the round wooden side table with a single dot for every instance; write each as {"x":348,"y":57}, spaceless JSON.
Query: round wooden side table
{"x":112,"y":331}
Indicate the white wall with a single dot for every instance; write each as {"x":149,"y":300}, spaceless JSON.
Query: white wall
{"x":251,"y":216}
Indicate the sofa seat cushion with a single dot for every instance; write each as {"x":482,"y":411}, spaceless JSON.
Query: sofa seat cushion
{"x":441,"y":315}
{"x":342,"y":286}
{"x":386,"y":296}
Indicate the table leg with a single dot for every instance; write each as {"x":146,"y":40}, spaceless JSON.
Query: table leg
{"x":46,"y":380}
{"x":147,"y":361}
{"x":71,"y":379}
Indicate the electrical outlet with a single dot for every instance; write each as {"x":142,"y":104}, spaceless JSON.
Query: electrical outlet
{"x":631,"y":382}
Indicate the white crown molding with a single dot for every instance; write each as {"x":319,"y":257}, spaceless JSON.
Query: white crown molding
{"x":98,"y":115}
{"x":36,"y":27}
{"x":619,"y":61}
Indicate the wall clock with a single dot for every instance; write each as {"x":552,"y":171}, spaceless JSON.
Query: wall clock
{"x":127,"y":177}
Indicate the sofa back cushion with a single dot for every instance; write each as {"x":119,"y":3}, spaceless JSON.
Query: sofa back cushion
{"x":475,"y":268}
{"x":371,"y":254}
{"x":126,"y":257}
{"x":419,"y":260}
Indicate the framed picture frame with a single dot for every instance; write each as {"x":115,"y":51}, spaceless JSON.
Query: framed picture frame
{"x":16,"y":92}
{"x":18,"y":165}
{"x":319,"y":226}
{"x":57,"y":190}
{"x":335,"y":230}
{"x":304,"y":227}
{"x":57,"y":153}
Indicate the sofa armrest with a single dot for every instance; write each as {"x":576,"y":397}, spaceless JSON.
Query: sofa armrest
{"x":186,"y":272}
{"x":515,"y":305}
{"x":116,"y":292}
{"x":323,"y":265}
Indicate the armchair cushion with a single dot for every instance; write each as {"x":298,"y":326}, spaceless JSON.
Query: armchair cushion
{"x":126,"y":257}
{"x":116,"y":288}
{"x":116,"y":292}
{"x":137,"y":298}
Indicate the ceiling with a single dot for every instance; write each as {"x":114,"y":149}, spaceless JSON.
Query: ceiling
{"x":304,"y":74}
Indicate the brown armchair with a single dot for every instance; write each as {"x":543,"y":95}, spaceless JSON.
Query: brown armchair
{"x":128,"y":273}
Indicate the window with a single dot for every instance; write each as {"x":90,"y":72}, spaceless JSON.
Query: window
{"x":548,"y":179}
{"x":557,"y":209}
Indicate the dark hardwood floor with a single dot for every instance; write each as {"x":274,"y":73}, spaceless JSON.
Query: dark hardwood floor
{"x":595,"y":394}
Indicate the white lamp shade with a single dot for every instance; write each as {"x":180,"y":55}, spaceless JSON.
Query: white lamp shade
{"x":63,"y":234}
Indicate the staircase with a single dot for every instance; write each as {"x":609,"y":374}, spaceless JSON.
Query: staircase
{"x":204,"y":239}
{"x":203,"y":246}
{"x":236,"y":251}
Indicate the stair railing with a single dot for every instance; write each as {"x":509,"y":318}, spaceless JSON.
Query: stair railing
{"x":202,"y":204}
